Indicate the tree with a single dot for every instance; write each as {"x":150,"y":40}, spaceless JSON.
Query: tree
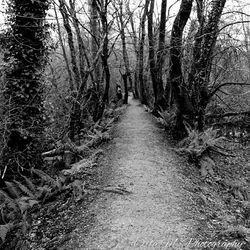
{"x":24,"y":87}
{"x":191,"y":95}
{"x":135,"y":43}
{"x":82,"y":68}
{"x":95,"y":40}
{"x":80,"y":78}
{"x":126,"y":76}
{"x":157,"y":61}
{"x":60,"y":37}
{"x":102,"y":8}
{"x":143,"y":96}
{"x":175,"y":78}
{"x":203,"y":49}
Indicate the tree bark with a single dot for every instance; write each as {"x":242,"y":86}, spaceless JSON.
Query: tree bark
{"x":202,"y":58}
{"x":95,"y":41}
{"x":143,"y":96}
{"x":160,"y":97}
{"x":71,"y":83}
{"x":135,"y":45}
{"x":156,"y":64}
{"x":151,"y":42}
{"x":175,"y":78}
{"x":24,"y":88}
{"x":102,"y":9}
{"x":81,"y":47}
{"x":125,"y":82}
{"x":124,"y":51}
{"x":68,"y":29}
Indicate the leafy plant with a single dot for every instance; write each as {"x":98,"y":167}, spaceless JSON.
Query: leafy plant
{"x":4,"y":229}
{"x":19,"y":197}
{"x":168,"y":118}
{"x":196,"y":144}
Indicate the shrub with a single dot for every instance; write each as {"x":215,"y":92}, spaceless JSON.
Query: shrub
{"x":197,"y":144}
{"x":168,"y":118}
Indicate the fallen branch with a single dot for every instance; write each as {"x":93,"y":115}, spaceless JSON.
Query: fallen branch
{"x":68,"y":146}
{"x":221,"y":151}
{"x":231,"y":124}
{"x":116,"y":190}
{"x":228,"y":114}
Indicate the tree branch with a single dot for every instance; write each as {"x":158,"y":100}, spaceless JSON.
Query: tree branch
{"x":227,"y":25}
{"x":226,"y":84}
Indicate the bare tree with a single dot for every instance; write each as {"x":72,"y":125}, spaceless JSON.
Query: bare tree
{"x":191,"y":95}
{"x":82,"y":68}
{"x":175,"y":78}
{"x":122,"y":22}
{"x":203,"y":49}
{"x":136,"y":49}
{"x":71,"y":83}
{"x":95,"y":40}
{"x":68,"y":28}
{"x":157,"y":61}
{"x":102,"y":8}
{"x":143,"y":96}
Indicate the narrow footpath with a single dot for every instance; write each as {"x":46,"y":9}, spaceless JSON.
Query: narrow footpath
{"x":158,"y":212}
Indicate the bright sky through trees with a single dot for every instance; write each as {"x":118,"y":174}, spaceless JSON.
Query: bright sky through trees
{"x":231,"y":5}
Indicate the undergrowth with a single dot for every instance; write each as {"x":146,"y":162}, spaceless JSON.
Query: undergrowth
{"x":25,"y":195}
{"x":223,"y":198}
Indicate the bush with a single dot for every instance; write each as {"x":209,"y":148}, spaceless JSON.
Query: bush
{"x":168,"y":118}
{"x":197,"y":144}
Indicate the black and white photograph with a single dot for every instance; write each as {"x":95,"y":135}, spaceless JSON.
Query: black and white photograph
{"x":124,"y":124}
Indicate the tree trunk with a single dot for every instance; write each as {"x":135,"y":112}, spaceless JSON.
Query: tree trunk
{"x":202,"y":59}
{"x":136,"y":93}
{"x":105,"y":56}
{"x":156,"y":66}
{"x":135,"y":45}
{"x":71,"y":83}
{"x":125,"y":81}
{"x":81,"y":47}
{"x":160,"y":97}
{"x":24,"y":88}
{"x":124,"y":49}
{"x":143,"y":96}
{"x":75,"y":123}
{"x":68,"y":29}
{"x":103,"y":12}
{"x":175,"y":78}
{"x":151,"y":55}
{"x":95,"y":41}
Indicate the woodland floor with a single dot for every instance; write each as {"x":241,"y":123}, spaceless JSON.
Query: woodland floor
{"x":168,"y":205}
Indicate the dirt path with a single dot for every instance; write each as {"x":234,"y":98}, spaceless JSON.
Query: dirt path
{"x":156,"y":215}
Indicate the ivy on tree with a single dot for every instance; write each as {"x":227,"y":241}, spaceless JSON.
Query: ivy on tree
{"x":27,"y":53}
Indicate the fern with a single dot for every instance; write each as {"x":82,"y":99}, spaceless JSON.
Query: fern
{"x":167,"y":118}
{"x":30,"y":184}
{"x":60,"y":182}
{"x":9,"y":201}
{"x":197,"y":143}
{"x":4,"y":229}
{"x":24,"y":189}
{"x":25,"y":203}
{"x":45,"y":177}
{"x":12,"y":189}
